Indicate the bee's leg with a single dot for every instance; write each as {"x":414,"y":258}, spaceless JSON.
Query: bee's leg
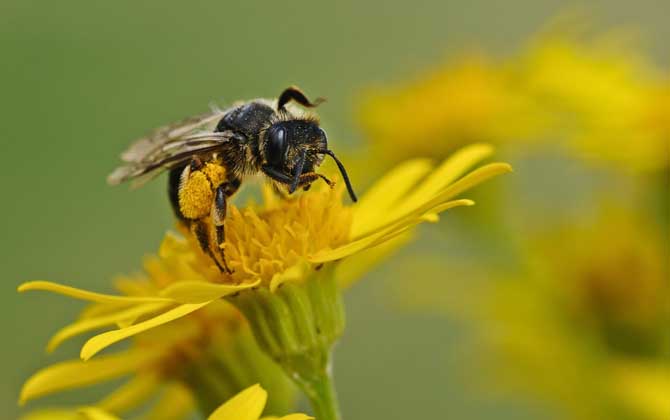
{"x":276,"y":175}
{"x":307,"y":178}
{"x":218,"y":215}
{"x":200,"y":230}
{"x":191,"y":195}
{"x":304,"y":179}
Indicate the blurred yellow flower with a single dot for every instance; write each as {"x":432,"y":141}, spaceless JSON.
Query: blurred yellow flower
{"x":587,"y":324}
{"x":604,"y":98}
{"x":468,"y":100}
{"x":596,"y":98}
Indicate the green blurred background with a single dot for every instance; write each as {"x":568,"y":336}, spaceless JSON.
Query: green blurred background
{"x":80,"y":79}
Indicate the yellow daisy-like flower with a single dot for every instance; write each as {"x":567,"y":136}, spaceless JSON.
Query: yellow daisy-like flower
{"x":198,"y":360}
{"x":607,"y":100}
{"x":598,"y":99}
{"x":466,"y":100}
{"x":286,"y":257}
{"x":587,"y":325}
{"x":246,"y":405}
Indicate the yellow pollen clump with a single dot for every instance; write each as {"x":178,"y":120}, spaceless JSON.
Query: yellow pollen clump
{"x":216,"y":173}
{"x":195,"y":196}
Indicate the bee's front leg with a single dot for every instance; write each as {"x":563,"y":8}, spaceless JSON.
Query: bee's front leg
{"x":218,"y":216}
{"x":307,"y":178}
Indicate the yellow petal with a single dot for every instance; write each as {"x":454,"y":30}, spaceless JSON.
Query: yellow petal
{"x":175,"y":403}
{"x":75,"y":373}
{"x":450,"y":170}
{"x":398,"y":192}
{"x":354,"y":267}
{"x":386,"y":192}
{"x":53,"y":414}
{"x":85,"y":294}
{"x":101,"y":341}
{"x":94,"y":413}
{"x":200,"y":291}
{"x":423,"y":209}
{"x":247,"y":405}
{"x":472,"y":179}
{"x":131,"y":394}
{"x":383,"y":234}
{"x":89,"y":324}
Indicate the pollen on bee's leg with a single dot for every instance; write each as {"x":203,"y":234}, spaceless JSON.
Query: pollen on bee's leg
{"x":216,"y":173}
{"x":195,"y":196}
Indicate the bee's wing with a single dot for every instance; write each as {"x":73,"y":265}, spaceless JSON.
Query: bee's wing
{"x":142,"y":149}
{"x":167,"y":156}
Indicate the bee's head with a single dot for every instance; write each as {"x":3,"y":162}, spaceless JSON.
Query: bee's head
{"x":287,"y":141}
{"x":295,"y":147}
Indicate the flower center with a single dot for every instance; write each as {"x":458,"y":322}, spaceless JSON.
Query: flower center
{"x":260,"y":244}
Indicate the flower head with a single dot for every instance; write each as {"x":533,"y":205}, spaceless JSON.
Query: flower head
{"x":597,"y":98}
{"x":603,"y":97}
{"x":200,"y":359}
{"x":468,"y":99}
{"x":281,"y":242}
{"x":585,"y":324}
{"x":285,"y":256}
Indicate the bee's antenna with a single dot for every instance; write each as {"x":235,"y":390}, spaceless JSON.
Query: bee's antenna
{"x":343,"y":171}
{"x":293,"y":93}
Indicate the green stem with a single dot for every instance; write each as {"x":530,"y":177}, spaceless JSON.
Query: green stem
{"x":320,"y":390}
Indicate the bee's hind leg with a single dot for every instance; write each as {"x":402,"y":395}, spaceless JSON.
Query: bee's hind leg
{"x":200,"y":230}
{"x":218,"y":216}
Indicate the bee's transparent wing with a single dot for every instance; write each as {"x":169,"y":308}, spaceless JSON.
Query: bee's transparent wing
{"x":142,"y":149}
{"x":167,"y":156}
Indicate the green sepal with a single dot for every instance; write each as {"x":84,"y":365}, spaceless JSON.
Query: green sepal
{"x":297,"y":325}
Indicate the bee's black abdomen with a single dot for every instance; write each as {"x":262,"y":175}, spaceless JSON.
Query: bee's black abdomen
{"x":174,"y":179}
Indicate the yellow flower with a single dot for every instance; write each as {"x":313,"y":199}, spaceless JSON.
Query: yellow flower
{"x":204,"y":357}
{"x":246,"y":405}
{"x":585,"y":325}
{"x":286,"y":256}
{"x":281,"y":242}
{"x":597,"y":99}
{"x":468,"y":99}
{"x":605,"y":99}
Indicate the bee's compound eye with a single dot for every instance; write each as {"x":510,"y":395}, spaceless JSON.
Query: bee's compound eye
{"x":276,"y":147}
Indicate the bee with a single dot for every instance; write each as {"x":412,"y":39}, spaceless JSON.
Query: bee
{"x":208,"y":156}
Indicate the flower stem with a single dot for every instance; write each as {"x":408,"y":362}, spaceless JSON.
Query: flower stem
{"x":320,"y":390}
